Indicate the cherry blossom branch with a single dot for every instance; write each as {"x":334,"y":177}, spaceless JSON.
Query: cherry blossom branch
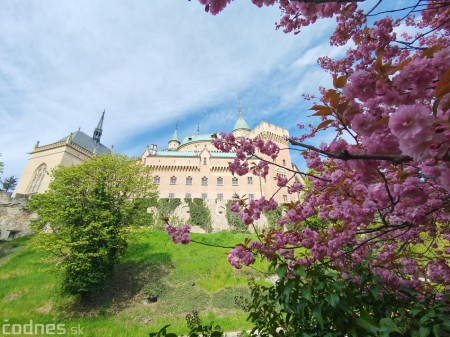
{"x":212,"y":245}
{"x":292,"y":170}
{"x":374,"y":7}
{"x":345,"y":155}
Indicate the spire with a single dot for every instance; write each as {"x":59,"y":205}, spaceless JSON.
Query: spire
{"x":175,"y":136}
{"x":240,"y":122}
{"x":98,"y":130}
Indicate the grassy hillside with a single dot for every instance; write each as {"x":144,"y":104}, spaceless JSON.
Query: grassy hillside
{"x":183,"y":278}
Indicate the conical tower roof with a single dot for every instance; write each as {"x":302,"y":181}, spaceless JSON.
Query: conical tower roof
{"x":240,"y":123}
{"x":175,"y":136}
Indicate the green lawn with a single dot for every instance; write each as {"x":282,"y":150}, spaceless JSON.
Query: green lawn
{"x":184,"y":278}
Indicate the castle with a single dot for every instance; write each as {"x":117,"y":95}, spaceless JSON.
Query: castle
{"x":194,"y":168}
{"x":187,"y":169}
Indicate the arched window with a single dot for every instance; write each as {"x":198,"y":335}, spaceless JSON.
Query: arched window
{"x":173,"y":180}
{"x":220,"y":181}
{"x":157,"y":180}
{"x":235,"y":181}
{"x":188,"y":180}
{"x":37,"y":178}
{"x":204,"y":181}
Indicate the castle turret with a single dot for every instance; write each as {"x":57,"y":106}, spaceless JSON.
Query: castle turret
{"x":174,"y":142}
{"x":241,"y":128}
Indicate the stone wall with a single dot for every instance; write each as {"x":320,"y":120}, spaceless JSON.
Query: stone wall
{"x":14,"y":216}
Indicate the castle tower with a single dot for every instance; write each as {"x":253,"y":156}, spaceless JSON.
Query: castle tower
{"x":174,"y":142}
{"x":241,"y":128}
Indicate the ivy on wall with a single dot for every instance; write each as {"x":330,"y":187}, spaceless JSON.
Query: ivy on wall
{"x":234,"y":220}
{"x":165,"y":207}
{"x":200,"y":214}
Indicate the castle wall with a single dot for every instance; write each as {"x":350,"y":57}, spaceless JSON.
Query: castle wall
{"x":14,"y":216}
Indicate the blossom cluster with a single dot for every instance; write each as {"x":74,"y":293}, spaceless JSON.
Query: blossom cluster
{"x":180,"y":234}
{"x":380,"y":190}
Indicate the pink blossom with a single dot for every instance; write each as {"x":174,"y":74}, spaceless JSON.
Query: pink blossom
{"x":180,"y":234}
{"x":240,"y":255}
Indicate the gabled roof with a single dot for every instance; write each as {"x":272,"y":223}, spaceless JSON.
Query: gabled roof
{"x":88,"y":143}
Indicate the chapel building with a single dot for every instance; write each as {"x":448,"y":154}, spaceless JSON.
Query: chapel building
{"x":73,"y":149}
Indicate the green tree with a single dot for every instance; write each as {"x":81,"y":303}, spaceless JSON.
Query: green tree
{"x":82,"y":218}
{"x":1,"y":165}
{"x":9,"y":183}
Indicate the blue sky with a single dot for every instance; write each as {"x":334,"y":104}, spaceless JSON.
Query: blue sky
{"x":150,"y":64}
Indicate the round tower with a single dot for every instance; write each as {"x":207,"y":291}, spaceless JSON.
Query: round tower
{"x":174,"y":143}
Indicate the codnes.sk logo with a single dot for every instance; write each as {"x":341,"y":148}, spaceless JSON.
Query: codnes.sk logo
{"x":38,"y":329}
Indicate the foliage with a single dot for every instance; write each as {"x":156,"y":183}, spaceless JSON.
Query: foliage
{"x":165,"y":209}
{"x":200,"y":214}
{"x":273,"y":215}
{"x":166,"y":206}
{"x":194,"y":323}
{"x":82,"y":218}
{"x":2,"y":165}
{"x":234,"y":220}
{"x":318,"y":302}
{"x":9,"y":183}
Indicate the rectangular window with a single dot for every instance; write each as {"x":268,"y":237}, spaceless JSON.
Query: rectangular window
{"x":251,"y":197}
{"x":171,"y":195}
{"x":188,"y":196}
{"x":204,"y":196}
{"x":250,"y":180}
{"x":220,"y":196}
{"x":285,"y":199}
